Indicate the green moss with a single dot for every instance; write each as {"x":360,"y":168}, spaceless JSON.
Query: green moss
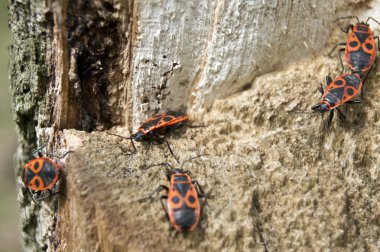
{"x":28,"y":67}
{"x":28,"y":71}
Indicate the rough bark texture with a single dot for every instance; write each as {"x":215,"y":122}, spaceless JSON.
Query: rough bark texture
{"x":276,"y":180}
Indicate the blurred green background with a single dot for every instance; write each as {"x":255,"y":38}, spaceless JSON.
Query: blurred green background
{"x":9,"y":214}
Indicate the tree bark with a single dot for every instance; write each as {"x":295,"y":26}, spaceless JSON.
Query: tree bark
{"x":81,"y":68}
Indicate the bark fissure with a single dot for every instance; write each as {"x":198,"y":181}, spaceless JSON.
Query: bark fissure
{"x":60,"y":87}
{"x":96,"y":43}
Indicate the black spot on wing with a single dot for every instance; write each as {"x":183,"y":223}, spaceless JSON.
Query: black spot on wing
{"x":36,"y":165}
{"x":353,"y":44}
{"x":175,"y":114}
{"x":175,"y":199}
{"x":37,"y":183}
{"x":191,"y":199}
{"x":150,"y":124}
{"x":168,"y":118}
{"x":368,"y":46}
{"x":350,"y":91}
{"x":338,"y":82}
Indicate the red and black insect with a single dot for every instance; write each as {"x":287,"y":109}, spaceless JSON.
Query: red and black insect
{"x":183,"y":207}
{"x":360,"y":48}
{"x":159,"y":125}
{"x":338,"y":91}
{"x":41,"y":174}
{"x":155,"y":128}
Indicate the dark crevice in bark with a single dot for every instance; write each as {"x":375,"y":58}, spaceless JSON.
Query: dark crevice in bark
{"x":95,"y":43}
{"x":257,"y":222}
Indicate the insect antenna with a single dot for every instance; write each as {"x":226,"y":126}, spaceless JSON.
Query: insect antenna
{"x":195,"y":126}
{"x":372,"y":19}
{"x":183,"y":163}
{"x":347,"y":17}
{"x":167,"y":165}
{"x":111,"y":134}
{"x":39,"y":149}
{"x":53,"y":155}
{"x":130,"y":138}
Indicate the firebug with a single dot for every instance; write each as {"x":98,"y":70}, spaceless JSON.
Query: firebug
{"x":360,"y":49}
{"x":183,"y":207}
{"x":338,"y":91}
{"x":156,"y":127}
{"x":41,"y":174}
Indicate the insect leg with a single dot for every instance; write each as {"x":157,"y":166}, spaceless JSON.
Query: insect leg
{"x":175,"y":126}
{"x":321,"y":90}
{"x":44,"y":196}
{"x":339,"y":44}
{"x":328,"y":80}
{"x":195,"y":126}
{"x":31,"y":196}
{"x":378,"y":44}
{"x":147,"y":149}
{"x":131,"y":138}
{"x":350,"y":26}
{"x":364,"y":80}
{"x":159,"y":189}
{"x":171,"y":151}
{"x":133,"y":145}
{"x":150,"y":139}
{"x":355,"y":101}
{"x":340,"y":59}
{"x":60,"y":193}
{"x":201,"y":193}
{"x":341,"y":115}
{"x":331,"y":116}
{"x":162,"y":197}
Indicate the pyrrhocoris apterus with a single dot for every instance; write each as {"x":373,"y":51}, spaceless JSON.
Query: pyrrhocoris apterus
{"x":156,"y":127}
{"x":183,"y":208}
{"x":338,"y":91}
{"x":360,"y":48}
{"x":159,"y":125}
{"x":41,"y":173}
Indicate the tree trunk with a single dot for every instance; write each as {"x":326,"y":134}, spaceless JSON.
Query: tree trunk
{"x":275,"y":179}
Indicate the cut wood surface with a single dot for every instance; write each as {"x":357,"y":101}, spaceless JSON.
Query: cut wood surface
{"x":276,"y":179}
